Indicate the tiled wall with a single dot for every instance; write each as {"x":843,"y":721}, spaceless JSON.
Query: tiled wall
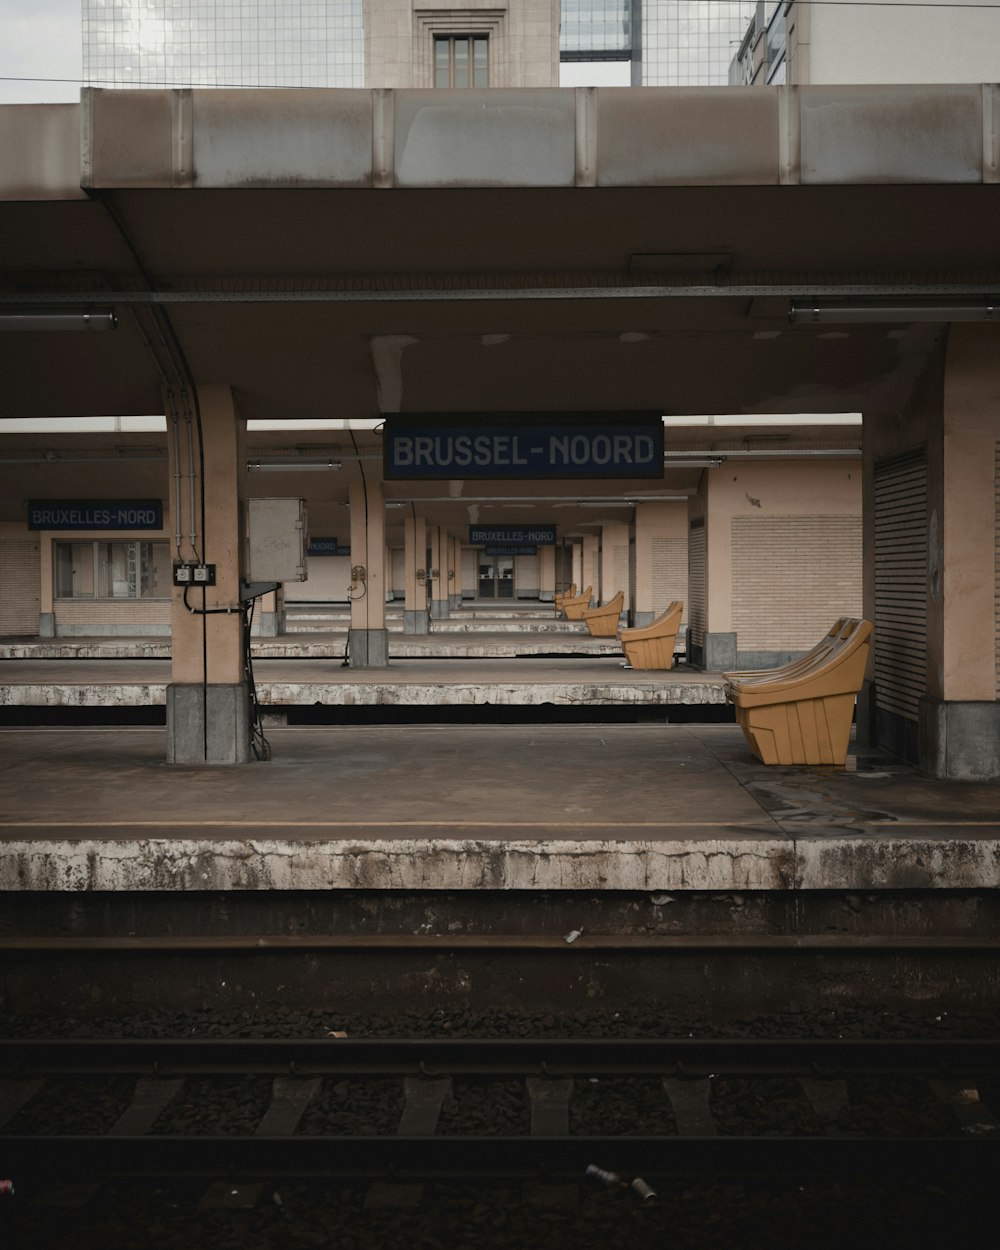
{"x":792,"y":577}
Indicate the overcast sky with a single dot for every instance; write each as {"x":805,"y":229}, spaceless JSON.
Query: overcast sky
{"x":40,"y":39}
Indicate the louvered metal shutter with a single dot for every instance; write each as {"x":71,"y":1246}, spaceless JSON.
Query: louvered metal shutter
{"x":697,"y":580}
{"x":996,"y":580}
{"x":901,"y":583}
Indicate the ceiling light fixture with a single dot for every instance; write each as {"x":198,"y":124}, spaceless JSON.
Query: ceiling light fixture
{"x":96,"y":319}
{"x":701,"y":461}
{"x":833,"y":312}
{"x":293,"y":464}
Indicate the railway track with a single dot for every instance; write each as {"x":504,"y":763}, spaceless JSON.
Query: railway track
{"x":685,"y":1079}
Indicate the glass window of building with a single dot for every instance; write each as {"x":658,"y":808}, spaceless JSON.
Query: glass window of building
{"x":119,"y":570}
{"x":595,"y":29}
{"x":461,"y":61}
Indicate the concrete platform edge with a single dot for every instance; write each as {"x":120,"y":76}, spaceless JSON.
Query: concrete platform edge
{"x":738,"y":862}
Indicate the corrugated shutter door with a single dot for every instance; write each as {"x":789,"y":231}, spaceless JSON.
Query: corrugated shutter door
{"x":996,"y":579}
{"x":21,"y":599}
{"x":901,"y":583}
{"x":697,"y":580}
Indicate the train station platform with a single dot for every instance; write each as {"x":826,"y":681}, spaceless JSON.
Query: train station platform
{"x":545,"y":807}
{"x":441,"y":669}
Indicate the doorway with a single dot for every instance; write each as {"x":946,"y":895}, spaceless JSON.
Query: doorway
{"x":496,"y":577}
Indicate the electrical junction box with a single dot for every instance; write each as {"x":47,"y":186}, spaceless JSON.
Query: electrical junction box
{"x":276,"y":540}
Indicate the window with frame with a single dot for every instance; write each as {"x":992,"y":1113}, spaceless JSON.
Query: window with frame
{"x":461,"y":60}
{"x":119,"y":570}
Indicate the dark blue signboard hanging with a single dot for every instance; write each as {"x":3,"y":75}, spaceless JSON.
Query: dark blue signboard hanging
{"x":523,"y":445}
{"x":512,"y":535}
{"x":95,"y":514}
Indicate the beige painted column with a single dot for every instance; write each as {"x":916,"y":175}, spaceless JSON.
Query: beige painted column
{"x":590,"y":573}
{"x":661,"y":568}
{"x":46,"y":599}
{"x":959,"y":717}
{"x":454,"y":569}
{"x":614,"y":562}
{"x":546,"y":572}
{"x":577,"y":563}
{"x":267,"y":619}
{"x":368,"y":643}
{"x":415,"y":615}
{"x":711,"y":640}
{"x":207,"y":700}
{"x":438,"y":540}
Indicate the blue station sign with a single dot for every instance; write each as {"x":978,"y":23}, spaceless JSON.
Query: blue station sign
{"x":325,"y":547}
{"x":511,"y":536}
{"x":498,"y":445}
{"x":510,"y":549}
{"x":95,"y":514}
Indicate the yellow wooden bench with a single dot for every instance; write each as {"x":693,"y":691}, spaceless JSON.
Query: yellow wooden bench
{"x":603,"y":621}
{"x":652,"y":645}
{"x":801,"y":713}
{"x":560,"y":597}
{"x":573,"y":609}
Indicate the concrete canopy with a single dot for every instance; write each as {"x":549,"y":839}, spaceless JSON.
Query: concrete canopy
{"x":354,"y":253}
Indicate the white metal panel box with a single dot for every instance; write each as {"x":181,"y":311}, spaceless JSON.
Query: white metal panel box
{"x":276,"y":540}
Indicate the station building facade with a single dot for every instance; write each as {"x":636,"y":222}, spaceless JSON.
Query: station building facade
{"x":406,"y":43}
{"x":793,"y":42}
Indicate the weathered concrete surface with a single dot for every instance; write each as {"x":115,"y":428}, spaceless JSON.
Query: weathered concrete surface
{"x":633,"y":808}
{"x":321,"y":679}
{"x":482,"y":642}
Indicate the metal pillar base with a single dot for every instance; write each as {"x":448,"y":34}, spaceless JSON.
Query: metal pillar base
{"x":416,"y":621}
{"x":367,"y":648}
{"x":46,"y":625}
{"x":716,"y":654}
{"x":440,"y":611}
{"x":959,"y":741}
{"x":208,"y":724}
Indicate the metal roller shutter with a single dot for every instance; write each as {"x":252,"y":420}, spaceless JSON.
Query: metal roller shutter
{"x":697,"y":580}
{"x":996,"y":579}
{"x":901,"y":583}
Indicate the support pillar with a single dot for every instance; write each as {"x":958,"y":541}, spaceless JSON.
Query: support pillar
{"x":438,"y":540}
{"x":208,"y":708}
{"x":415,"y":614}
{"x":368,"y":639}
{"x":661,"y":565}
{"x":270,"y":613}
{"x":590,"y":573}
{"x":711,"y":639}
{"x":46,"y":604}
{"x":614,"y":563}
{"x":959,"y":717}
{"x":546,"y":573}
{"x":455,"y":573}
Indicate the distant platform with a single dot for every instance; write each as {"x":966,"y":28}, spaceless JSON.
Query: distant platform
{"x":294,"y":671}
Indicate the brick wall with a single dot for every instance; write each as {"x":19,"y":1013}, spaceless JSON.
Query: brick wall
{"x":115,"y":614}
{"x":792,"y":578}
{"x":670,"y":573}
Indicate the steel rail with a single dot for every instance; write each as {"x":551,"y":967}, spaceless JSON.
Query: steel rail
{"x":46,"y":1160}
{"x":495,"y":1057}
